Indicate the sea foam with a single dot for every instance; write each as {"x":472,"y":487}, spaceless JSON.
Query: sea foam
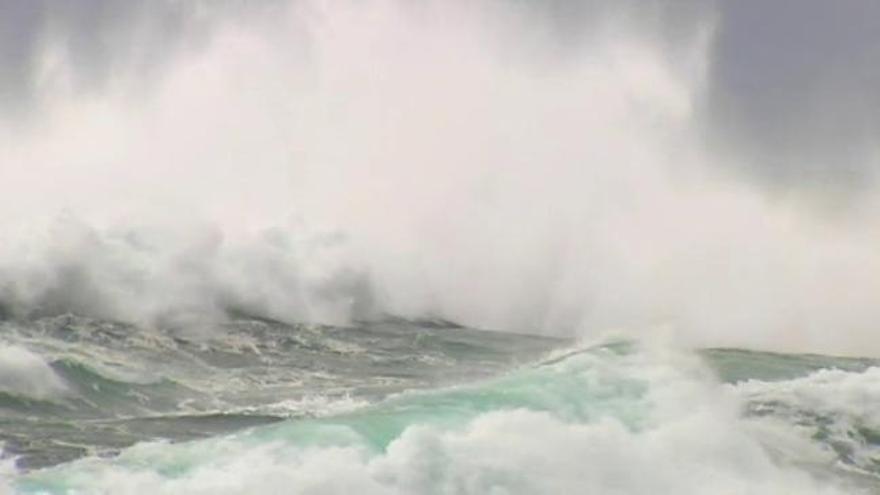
{"x":597,"y":421}
{"x":25,"y":374}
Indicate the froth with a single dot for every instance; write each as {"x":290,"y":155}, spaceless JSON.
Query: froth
{"x":181,"y":277}
{"x":689,"y":438}
{"x":26,"y":374}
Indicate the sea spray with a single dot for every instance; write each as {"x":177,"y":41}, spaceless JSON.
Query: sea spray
{"x":536,"y":168}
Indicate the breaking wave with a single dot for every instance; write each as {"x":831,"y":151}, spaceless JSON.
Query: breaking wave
{"x":615,"y":418}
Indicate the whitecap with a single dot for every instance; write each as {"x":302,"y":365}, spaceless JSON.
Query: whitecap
{"x":26,"y":374}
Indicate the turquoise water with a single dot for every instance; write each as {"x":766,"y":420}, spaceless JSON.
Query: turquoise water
{"x":443,"y":410}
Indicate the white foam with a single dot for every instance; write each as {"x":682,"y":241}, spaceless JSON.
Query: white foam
{"x":826,"y":390}
{"x":179,"y":275}
{"x":838,"y":406}
{"x":693,"y":441}
{"x":26,"y":374}
{"x":510,"y":452}
{"x":310,"y":405}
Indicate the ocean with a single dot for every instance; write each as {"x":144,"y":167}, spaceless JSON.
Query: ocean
{"x":425,"y":247}
{"x":397,"y":406}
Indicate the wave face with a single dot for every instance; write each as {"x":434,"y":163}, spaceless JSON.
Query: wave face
{"x":400,"y":406}
{"x":92,"y":387}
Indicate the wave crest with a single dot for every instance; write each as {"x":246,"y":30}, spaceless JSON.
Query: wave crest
{"x":185,"y":276}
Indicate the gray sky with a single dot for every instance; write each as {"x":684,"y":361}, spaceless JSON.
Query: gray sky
{"x":95,"y":37}
{"x":793,"y":83}
{"x":798,"y":81}
{"x":99,"y":39}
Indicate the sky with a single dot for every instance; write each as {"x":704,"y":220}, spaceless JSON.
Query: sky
{"x":706,"y":169}
{"x":794,"y":80}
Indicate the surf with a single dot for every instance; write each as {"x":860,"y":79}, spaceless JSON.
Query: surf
{"x":588,"y":417}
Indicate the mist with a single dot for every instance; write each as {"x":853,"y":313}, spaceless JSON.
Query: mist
{"x":553,"y":170}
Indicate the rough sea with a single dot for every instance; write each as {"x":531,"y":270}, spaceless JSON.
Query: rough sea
{"x":380,"y":247}
{"x":396,"y":406}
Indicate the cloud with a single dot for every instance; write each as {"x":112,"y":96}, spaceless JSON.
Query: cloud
{"x":791,"y":87}
{"x":794,"y":86}
{"x":86,"y":43}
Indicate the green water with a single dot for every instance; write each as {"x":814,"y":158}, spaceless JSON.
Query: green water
{"x":402,"y":407}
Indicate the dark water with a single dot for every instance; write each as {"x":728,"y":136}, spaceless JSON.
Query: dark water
{"x":122,"y":385}
{"x":425,"y":406}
